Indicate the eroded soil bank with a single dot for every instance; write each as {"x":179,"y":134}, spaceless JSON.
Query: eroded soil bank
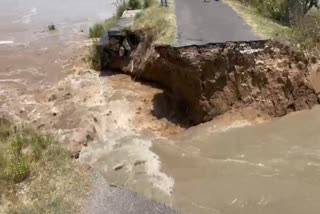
{"x":216,"y":78}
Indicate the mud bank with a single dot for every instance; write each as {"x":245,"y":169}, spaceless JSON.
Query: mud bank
{"x":213,"y":79}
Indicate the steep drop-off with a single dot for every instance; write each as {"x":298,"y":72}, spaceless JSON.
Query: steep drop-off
{"x":215,"y":78}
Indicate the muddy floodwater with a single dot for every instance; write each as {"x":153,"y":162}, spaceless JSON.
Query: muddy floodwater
{"x":124,"y":128}
{"x":267,"y":168}
{"x":22,"y":22}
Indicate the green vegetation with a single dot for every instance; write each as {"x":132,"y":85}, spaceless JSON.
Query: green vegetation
{"x":161,"y":20}
{"x":95,"y":55}
{"x":134,"y":4}
{"x":306,"y":33}
{"x":18,"y":151}
{"x":37,"y":175}
{"x":264,"y":26}
{"x":149,"y":3}
{"x":100,"y":28}
{"x":275,"y":9}
{"x":266,"y":22}
{"x":285,"y":11}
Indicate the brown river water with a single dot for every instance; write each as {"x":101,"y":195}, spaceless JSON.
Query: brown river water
{"x":237,"y":167}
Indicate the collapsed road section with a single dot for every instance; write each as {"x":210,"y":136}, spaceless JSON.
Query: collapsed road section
{"x":212,"y":79}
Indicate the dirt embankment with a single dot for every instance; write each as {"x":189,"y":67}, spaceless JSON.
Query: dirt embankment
{"x":215,"y":78}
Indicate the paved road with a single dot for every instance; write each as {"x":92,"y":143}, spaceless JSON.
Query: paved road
{"x":111,"y":200}
{"x":202,"y":22}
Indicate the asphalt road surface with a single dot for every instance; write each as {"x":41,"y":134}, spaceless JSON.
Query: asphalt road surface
{"x":210,"y":21}
{"x":112,"y":200}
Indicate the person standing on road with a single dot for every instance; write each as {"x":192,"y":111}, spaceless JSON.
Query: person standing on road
{"x":164,"y":3}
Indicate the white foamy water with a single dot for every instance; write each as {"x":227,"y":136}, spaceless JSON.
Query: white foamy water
{"x":6,"y":42}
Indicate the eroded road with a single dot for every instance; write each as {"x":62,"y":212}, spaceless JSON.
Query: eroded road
{"x":216,"y":168}
{"x":210,"y":21}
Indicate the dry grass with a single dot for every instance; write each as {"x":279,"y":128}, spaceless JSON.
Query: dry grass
{"x":161,"y":19}
{"x":303,"y":36}
{"x":100,"y":28}
{"x":263,"y":26}
{"x":37,"y":175}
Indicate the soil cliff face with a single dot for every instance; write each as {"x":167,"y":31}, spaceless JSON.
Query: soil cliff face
{"x":215,"y":78}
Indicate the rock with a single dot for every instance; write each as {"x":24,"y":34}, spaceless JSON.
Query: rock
{"x":90,"y":137}
{"x":121,"y":51}
{"x":52,"y":97}
{"x":75,"y":154}
{"x":85,"y":143}
{"x":118,"y":167}
{"x":139,"y":162}
{"x":113,"y":185}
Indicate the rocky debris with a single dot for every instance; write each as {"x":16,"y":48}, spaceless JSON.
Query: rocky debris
{"x":139,"y":162}
{"x":118,"y":167}
{"x":75,"y":154}
{"x":215,"y":78}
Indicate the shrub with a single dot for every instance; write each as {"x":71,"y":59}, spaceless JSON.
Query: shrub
{"x":276,"y":9}
{"x":17,"y":170}
{"x":306,"y":33}
{"x":134,"y":4}
{"x":5,"y":128}
{"x":148,"y":3}
{"x":285,"y":11}
{"x":121,"y":7}
{"x":95,"y":56}
{"x":97,"y":30}
{"x":19,"y":151}
{"x":39,"y":142}
{"x":100,"y":28}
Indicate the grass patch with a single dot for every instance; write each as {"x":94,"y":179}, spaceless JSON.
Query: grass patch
{"x":135,"y":4}
{"x":37,"y":175}
{"x":100,"y":28}
{"x":95,"y":55}
{"x":149,"y":3}
{"x":304,"y":35}
{"x":161,"y":19}
{"x":263,"y":26}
